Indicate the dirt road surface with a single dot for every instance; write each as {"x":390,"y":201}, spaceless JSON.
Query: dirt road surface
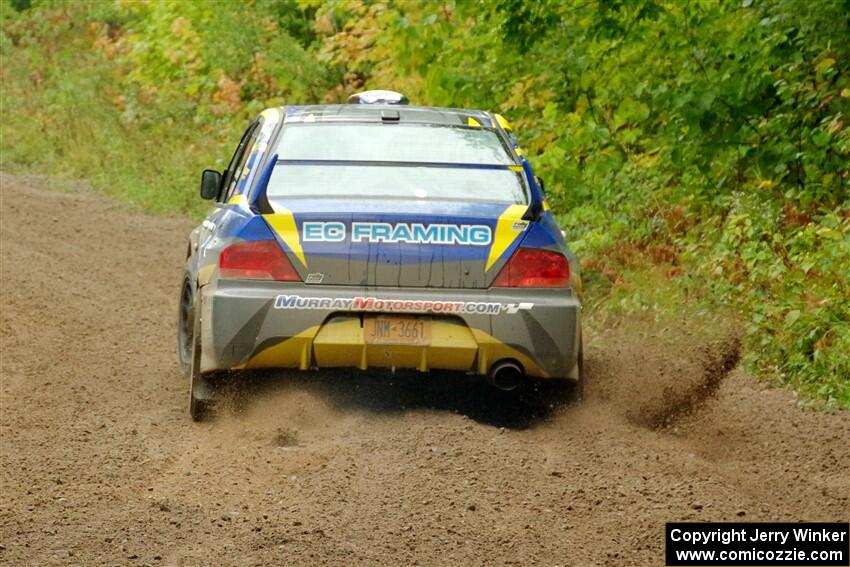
{"x":102,"y":466}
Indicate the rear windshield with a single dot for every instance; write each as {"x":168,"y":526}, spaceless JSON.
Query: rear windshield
{"x":392,"y":142}
{"x":396,"y":162}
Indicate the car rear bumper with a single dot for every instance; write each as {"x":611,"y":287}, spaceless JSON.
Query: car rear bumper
{"x":256,"y":324}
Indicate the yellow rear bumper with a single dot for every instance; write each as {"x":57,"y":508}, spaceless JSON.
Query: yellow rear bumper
{"x":341,"y":343}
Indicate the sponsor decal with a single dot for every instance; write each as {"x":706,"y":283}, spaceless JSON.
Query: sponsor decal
{"x":323,"y":232}
{"x":404,"y":233}
{"x":377,"y":304}
{"x":314,"y":278}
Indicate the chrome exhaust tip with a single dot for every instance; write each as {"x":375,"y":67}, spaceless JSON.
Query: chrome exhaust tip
{"x":506,"y":375}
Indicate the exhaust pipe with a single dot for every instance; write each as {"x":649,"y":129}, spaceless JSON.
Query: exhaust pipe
{"x":506,"y":375}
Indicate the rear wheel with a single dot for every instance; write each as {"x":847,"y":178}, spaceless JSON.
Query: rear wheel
{"x":185,"y":325}
{"x":201,"y":398}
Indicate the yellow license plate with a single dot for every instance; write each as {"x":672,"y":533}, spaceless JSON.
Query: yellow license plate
{"x":397,"y":330}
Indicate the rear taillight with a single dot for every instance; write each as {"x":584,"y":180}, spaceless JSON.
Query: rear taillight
{"x":256,"y":260}
{"x":533,"y":267}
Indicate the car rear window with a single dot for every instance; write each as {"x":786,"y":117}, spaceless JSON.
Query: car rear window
{"x":387,"y":182}
{"x":416,"y":162}
{"x":392,"y":142}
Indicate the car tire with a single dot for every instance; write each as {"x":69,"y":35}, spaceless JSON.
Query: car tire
{"x":201,"y":395}
{"x":185,"y":324}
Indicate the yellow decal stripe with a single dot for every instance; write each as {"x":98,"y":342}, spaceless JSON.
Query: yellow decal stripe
{"x":473,"y":122}
{"x":283,"y":223}
{"x":272,"y":114}
{"x":505,"y":234}
{"x":293,"y":352}
{"x":236,"y":200}
{"x":502,"y":121}
{"x":507,"y":126}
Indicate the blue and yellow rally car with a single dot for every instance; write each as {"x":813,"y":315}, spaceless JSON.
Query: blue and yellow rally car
{"x":378,"y":234}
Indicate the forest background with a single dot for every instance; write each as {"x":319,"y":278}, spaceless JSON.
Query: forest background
{"x":697,"y":154}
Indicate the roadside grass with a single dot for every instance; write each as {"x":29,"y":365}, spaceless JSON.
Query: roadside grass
{"x":657,"y":297}
{"x":667,"y":300}
{"x":58,"y":119}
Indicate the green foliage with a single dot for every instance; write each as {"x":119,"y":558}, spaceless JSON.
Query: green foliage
{"x":710,"y":136}
{"x":707,"y":141}
{"x":203,"y":59}
{"x":139,"y":97}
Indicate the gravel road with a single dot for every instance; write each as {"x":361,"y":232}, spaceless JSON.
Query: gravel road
{"x":101,"y":464}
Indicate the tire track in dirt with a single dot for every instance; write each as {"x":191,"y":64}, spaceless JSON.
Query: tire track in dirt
{"x":101,"y":465}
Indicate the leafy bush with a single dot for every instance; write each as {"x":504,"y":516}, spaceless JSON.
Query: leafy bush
{"x":713,"y":137}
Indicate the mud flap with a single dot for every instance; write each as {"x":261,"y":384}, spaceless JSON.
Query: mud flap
{"x":201,"y":394}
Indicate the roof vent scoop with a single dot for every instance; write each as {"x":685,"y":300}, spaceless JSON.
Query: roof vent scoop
{"x":378,"y":97}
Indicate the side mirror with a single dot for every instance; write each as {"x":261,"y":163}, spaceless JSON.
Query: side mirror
{"x":540,"y":184}
{"x":210,"y":184}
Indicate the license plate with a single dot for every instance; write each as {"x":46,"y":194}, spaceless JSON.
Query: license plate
{"x":397,"y":330}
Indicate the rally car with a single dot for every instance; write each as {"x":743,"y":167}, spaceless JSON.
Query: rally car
{"x":378,"y":234}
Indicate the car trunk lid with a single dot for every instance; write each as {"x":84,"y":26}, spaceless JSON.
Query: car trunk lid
{"x":397,"y":243}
